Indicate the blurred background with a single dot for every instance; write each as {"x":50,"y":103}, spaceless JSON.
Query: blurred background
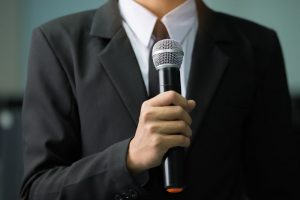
{"x":19,"y":17}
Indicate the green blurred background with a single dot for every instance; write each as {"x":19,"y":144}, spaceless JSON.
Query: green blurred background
{"x":19,"y":17}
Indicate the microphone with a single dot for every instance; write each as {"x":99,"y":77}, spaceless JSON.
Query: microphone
{"x":167,"y":57}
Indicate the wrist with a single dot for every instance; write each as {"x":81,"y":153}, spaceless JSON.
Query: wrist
{"x":132,"y":164}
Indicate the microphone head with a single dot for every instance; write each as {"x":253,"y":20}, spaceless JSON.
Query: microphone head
{"x":167,"y":53}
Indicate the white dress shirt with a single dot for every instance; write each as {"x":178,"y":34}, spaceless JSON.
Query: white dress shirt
{"x":181,"y":23}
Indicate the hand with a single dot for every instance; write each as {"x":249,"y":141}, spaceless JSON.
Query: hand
{"x":164,"y":123}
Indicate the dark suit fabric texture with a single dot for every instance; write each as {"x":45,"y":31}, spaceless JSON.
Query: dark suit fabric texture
{"x":83,"y":98}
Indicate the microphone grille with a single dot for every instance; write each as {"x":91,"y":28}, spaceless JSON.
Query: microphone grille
{"x":167,"y":53}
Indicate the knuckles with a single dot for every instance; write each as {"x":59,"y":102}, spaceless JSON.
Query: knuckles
{"x":185,"y":141}
{"x":180,"y":111}
{"x":150,"y":128}
{"x":182,"y":125}
{"x":147,"y":114}
{"x":156,"y":141}
{"x":171,"y":95}
{"x":145,"y":104}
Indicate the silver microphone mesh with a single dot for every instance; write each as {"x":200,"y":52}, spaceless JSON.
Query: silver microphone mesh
{"x":167,"y":53}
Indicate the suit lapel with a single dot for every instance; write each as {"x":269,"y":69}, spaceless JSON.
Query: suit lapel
{"x":118,"y":58}
{"x":208,"y":64}
{"x":121,"y":65}
{"x":208,"y":61}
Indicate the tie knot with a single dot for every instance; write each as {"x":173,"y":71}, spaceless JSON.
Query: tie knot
{"x":160,"y":31}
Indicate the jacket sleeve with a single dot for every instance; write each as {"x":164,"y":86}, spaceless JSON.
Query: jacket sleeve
{"x":271,"y":163}
{"x":53,"y":163}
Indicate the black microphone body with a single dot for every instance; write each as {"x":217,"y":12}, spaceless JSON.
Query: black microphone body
{"x":169,"y":79}
{"x":167,"y":57}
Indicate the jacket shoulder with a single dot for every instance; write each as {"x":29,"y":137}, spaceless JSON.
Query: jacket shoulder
{"x":69,"y":23}
{"x":256,"y":33}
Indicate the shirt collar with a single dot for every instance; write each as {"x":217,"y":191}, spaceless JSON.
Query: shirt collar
{"x":141,"y":21}
{"x":180,"y":20}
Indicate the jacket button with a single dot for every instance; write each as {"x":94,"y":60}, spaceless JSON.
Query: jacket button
{"x":118,"y":197}
{"x":125,"y":196}
{"x":133,"y":194}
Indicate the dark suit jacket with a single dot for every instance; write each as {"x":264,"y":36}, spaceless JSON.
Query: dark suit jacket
{"x":83,"y":99}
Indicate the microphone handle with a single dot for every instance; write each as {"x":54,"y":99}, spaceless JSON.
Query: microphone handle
{"x":169,"y":79}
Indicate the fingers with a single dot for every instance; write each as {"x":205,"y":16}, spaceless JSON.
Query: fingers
{"x":168,"y":106}
{"x":170,"y":98}
{"x":171,"y":141}
{"x":165,"y":142}
{"x":169,"y":113}
{"x":191,"y":105}
{"x":171,"y":128}
{"x":164,"y":123}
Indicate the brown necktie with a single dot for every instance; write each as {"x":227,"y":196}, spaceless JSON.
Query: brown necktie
{"x":160,"y":32}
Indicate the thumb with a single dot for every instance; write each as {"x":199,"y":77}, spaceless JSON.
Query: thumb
{"x":191,"y":105}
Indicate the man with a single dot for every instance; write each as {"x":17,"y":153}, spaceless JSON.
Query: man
{"x":91,"y":131}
